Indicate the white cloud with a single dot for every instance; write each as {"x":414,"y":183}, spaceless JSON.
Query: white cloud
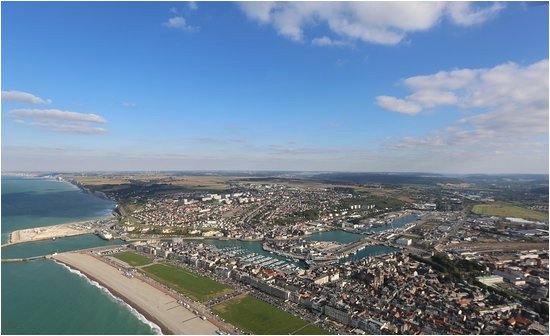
{"x":57,"y":114}
{"x":398,"y":105}
{"x":463,"y":14}
{"x":416,"y":102}
{"x":23,"y":97}
{"x":443,"y":80}
{"x":77,"y":128}
{"x":374,"y":22}
{"x":431,"y":98}
{"x":59,"y":121}
{"x":176,"y":22}
{"x":179,"y":22}
{"x":506,"y":111}
{"x":326,"y":41}
{"x":508,"y":91}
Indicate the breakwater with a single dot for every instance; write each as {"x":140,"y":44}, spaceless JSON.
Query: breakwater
{"x":25,"y":259}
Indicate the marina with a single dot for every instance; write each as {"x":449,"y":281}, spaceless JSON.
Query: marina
{"x":254,"y":253}
{"x":253,"y":258}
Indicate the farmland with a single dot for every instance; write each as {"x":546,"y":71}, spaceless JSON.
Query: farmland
{"x":509,"y":210}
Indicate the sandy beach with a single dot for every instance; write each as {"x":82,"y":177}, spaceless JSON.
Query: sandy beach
{"x":153,"y":303}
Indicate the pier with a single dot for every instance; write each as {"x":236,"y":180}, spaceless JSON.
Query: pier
{"x":11,"y":260}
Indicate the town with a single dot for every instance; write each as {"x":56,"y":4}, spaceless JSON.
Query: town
{"x":353,"y":259}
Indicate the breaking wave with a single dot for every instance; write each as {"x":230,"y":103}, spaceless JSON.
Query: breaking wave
{"x":156,"y":329}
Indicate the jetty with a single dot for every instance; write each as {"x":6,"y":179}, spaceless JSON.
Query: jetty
{"x":10,"y":260}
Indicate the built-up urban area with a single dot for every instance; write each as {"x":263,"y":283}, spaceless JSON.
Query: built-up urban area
{"x":352,"y":258}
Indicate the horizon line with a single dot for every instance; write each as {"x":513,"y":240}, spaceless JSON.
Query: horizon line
{"x":259,"y":170}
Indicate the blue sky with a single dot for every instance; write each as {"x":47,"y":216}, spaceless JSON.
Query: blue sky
{"x":439,"y":87}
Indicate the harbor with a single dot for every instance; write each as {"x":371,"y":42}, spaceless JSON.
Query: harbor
{"x":248,"y":257}
{"x":340,"y":246}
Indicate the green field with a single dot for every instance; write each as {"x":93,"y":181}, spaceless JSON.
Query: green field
{"x":133,"y":259}
{"x":261,"y":318}
{"x":311,"y":329}
{"x":509,"y":210}
{"x":191,"y":284}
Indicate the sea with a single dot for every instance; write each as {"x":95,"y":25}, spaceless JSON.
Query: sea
{"x":45,"y":297}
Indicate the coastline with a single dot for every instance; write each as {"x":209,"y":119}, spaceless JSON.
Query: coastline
{"x":155,"y":305}
{"x":142,"y":315}
{"x":140,"y":320}
{"x":85,"y":190}
{"x":60,"y":230}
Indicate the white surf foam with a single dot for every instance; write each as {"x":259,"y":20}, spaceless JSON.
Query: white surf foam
{"x":134,"y":312}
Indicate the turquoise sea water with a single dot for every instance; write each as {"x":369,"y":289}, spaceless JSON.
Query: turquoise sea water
{"x":44,"y":247}
{"x":30,"y":202}
{"x":41,"y":296}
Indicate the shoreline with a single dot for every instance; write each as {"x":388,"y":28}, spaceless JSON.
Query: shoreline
{"x":11,"y":242}
{"x":155,"y":305}
{"x":118,"y":296}
{"x":85,"y":190}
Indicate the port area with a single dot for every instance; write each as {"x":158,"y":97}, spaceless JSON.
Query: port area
{"x":56,"y":231}
{"x":318,"y":252}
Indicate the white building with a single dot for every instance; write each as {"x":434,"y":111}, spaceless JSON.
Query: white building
{"x":212,"y":234}
{"x":490,"y":280}
{"x":510,"y":277}
{"x":404,"y":241}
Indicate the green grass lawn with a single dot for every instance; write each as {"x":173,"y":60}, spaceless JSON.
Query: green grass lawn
{"x":133,"y":259}
{"x":261,"y":318}
{"x":311,"y":329}
{"x":509,"y":210}
{"x":191,"y":284}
